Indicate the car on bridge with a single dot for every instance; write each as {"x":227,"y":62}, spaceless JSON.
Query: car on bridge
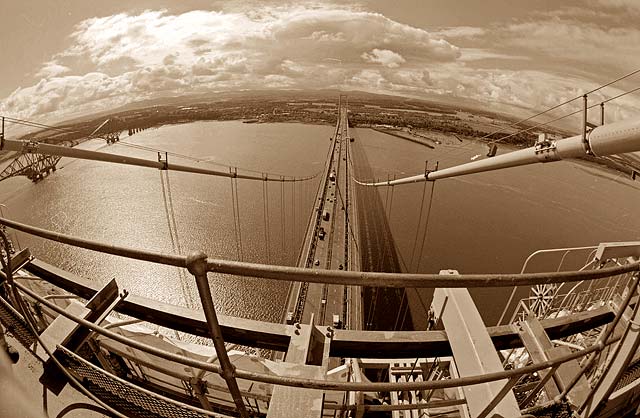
{"x":337,"y":323}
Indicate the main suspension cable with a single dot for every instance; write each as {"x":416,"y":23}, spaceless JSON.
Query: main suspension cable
{"x":32,"y":124}
{"x":568,"y":114}
{"x":152,"y":149}
{"x":196,"y":159}
{"x":563,"y":103}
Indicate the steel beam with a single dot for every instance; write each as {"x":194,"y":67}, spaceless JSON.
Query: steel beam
{"x":537,"y":342}
{"x":474,"y":353}
{"x":32,"y":166}
{"x":345,"y":343}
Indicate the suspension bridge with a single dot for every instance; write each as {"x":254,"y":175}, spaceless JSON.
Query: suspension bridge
{"x":573,"y":352}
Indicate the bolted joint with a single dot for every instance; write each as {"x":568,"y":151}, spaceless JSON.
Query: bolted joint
{"x":197,"y":263}
{"x":199,"y":385}
{"x":229,"y":373}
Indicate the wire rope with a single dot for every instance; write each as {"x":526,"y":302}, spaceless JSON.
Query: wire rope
{"x":565,"y":102}
{"x":426,"y":226}
{"x":235,"y":180}
{"x":235,"y":224}
{"x":395,"y":325}
{"x":386,"y":249}
{"x":236,"y":216}
{"x":282,"y":221}
{"x":415,"y":241}
{"x":463,"y":146}
{"x":152,"y":149}
{"x":173,"y":235}
{"x":265,"y":200}
{"x":293,"y":221}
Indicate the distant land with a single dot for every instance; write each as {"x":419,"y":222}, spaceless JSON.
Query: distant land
{"x":316,"y":106}
{"x":424,"y":121}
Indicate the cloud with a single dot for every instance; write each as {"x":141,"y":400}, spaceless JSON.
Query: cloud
{"x":154,"y":53}
{"x":626,"y":5}
{"x":529,"y":63}
{"x":52,"y":69}
{"x":323,"y":36}
{"x":460,"y":32}
{"x":385,"y":57}
{"x":577,"y":43}
{"x":476,"y":54}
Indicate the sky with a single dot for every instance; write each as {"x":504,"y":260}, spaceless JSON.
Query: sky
{"x":69,"y":58}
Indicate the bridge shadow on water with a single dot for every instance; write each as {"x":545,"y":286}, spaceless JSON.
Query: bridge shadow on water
{"x":384,"y":308}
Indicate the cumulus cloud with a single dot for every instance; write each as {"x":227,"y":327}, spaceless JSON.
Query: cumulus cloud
{"x":460,"y":32}
{"x":155,"y":53}
{"x":52,"y":69}
{"x":385,"y":57}
{"x":587,"y":43}
{"x":476,"y":54}
{"x":627,"y":5}
{"x":123,"y":58}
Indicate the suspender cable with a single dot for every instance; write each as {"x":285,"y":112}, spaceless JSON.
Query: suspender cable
{"x":282,"y":221}
{"x":415,"y":241}
{"x":406,"y":309}
{"x":426,"y":226}
{"x":293,"y":222}
{"x":372,"y":310}
{"x":404,"y":295}
{"x":386,"y":195}
{"x":390,"y":202}
{"x":173,"y":235}
{"x":386,"y":250}
{"x":265,"y":200}
{"x":236,"y":216}
{"x":235,"y":180}
{"x":172,"y":213}
{"x":235,"y":224}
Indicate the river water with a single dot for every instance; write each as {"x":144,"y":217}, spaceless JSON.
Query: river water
{"x":124,"y":205}
{"x":491,"y":222}
{"x":480,"y":223}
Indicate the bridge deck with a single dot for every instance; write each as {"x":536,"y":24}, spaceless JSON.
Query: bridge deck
{"x":329,"y":242}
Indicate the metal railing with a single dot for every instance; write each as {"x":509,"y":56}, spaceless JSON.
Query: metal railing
{"x":198,"y":265}
{"x":370,"y":279}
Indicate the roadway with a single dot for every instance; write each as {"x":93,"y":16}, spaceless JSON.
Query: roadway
{"x":330,"y":242}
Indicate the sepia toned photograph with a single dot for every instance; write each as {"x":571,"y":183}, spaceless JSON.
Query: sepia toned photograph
{"x":344,"y":209}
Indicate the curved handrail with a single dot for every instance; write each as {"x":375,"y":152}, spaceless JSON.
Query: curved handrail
{"x":317,"y":383}
{"x":371,"y":279}
{"x":554,"y":250}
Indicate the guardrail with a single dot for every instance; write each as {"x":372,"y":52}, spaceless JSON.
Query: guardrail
{"x":286,"y":273}
{"x":198,"y":265}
